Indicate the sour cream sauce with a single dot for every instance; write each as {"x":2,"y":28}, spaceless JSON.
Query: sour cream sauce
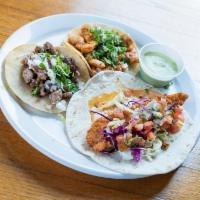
{"x":159,"y":64}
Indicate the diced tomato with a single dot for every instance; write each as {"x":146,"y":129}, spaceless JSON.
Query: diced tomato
{"x":148,"y":126}
{"x":151,"y":136}
{"x":177,"y":113}
{"x":167,"y":121}
{"x":174,"y":128}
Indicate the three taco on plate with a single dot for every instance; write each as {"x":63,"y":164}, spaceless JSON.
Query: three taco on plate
{"x":114,"y":117}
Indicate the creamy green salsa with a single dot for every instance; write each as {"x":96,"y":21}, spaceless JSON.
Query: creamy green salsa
{"x":160,"y":64}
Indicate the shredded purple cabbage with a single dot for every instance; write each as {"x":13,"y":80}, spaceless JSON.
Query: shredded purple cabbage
{"x":136,"y":152}
{"x":111,"y":134}
{"x":119,"y":130}
{"x":96,"y":112}
{"x":133,"y":102}
{"x":172,"y":106}
{"x":115,"y":132}
{"x":146,"y":109}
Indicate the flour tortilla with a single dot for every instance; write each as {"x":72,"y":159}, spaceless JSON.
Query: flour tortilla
{"x":16,"y":84}
{"x":78,"y":122}
{"x":133,"y":68}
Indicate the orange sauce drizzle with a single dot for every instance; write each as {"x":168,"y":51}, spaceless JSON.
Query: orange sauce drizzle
{"x":97,"y":101}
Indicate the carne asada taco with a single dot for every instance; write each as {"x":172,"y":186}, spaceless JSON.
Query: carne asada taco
{"x":45,"y":77}
{"x":127,"y":127}
{"x":105,"y":48}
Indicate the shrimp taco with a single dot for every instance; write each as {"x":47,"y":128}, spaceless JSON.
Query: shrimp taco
{"x":104,"y":47}
{"x":128,"y":127}
{"x":45,"y":77}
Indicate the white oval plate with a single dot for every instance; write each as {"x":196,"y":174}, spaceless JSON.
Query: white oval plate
{"x":46,"y":132}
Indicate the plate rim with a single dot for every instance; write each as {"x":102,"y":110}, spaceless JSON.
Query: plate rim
{"x":38,"y":146}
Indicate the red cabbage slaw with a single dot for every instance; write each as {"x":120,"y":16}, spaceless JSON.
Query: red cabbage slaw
{"x":110,"y":135}
{"x":137,"y":152}
{"x":133,"y":102}
{"x":101,"y":114}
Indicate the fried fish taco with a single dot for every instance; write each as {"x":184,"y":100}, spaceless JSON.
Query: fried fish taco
{"x":128,"y":127}
{"x":45,"y":77}
{"x":104,"y":48}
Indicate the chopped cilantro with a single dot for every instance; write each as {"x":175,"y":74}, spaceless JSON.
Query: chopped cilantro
{"x":64,"y":75}
{"x":35,"y":91}
{"x":42,"y":66}
{"x":45,"y":55}
{"x":67,"y":84}
{"x":110,"y":47}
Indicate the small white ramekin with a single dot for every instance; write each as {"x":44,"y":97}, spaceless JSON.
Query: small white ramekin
{"x":155,"y":79}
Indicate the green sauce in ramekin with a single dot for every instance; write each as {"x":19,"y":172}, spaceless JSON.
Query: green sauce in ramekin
{"x":160,"y":64}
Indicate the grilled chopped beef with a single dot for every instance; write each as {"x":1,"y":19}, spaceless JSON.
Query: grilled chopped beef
{"x":55,"y":96}
{"x":38,"y":70}
{"x":34,"y":83}
{"x":27,"y":75}
{"x":42,"y":90}
{"x":48,"y":47}
{"x":41,"y":75}
{"x":67,"y":95}
{"x":38,"y":49}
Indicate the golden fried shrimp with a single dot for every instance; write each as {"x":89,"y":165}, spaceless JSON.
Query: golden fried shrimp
{"x":85,"y":33}
{"x":121,"y":67}
{"x":87,"y":47}
{"x":132,"y":56}
{"x":127,"y":39}
{"x":79,"y":46}
{"x":97,"y":63}
{"x":85,"y":28}
{"x":131,"y":47}
{"x":88,"y":57}
{"x":88,"y":37}
{"x":74,"y":39}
